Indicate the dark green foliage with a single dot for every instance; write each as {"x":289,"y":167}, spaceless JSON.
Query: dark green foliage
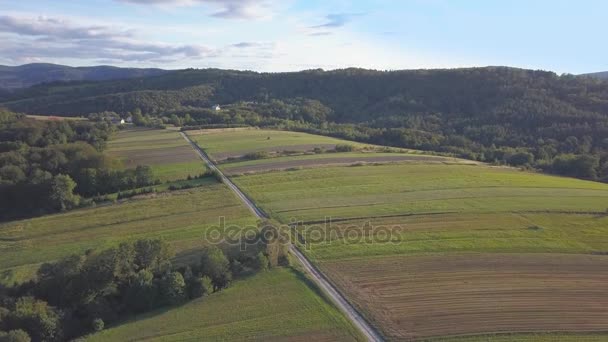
{"x":199,"y":287}
{"x":173,"y":288}
{"x":40,"y":321}
{"x":344,"y":148}
{"x":15,"y":336}
{"x":261,"y":262}
{"x":97,"y":325}
{"x":45,"y":166}
{"x":256,"y":155}
{"x":215,"y":265}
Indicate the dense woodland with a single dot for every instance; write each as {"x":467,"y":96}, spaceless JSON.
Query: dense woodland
{"x":48,"y":166}
{"x":84,"y":293}
{"x":520,"y":117}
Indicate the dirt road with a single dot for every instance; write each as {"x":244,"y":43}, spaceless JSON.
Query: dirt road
{"x":321,"y":281}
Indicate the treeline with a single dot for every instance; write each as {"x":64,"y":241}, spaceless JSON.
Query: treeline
{"x":84,"y":293}
{"x":46,"y":166}
{"x":520,"y":117}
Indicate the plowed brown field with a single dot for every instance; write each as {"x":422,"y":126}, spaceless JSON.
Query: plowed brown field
{"x":443,"y":295}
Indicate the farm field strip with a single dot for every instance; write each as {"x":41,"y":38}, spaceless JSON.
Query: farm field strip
{"x":229,"y":144}
{"x":170,"y":157}
{"x":438,"y":295}
{"x":346,"y":192}
{"x":449,"y":233}
{"x":328,"y":159}
{"x":248,"y":310}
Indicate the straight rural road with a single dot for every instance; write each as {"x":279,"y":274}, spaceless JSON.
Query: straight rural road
{"x":320,"y":279}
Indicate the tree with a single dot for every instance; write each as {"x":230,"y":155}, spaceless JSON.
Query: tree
{"x":62,"y":192}
{"x":141,"y":294}
{"x":173,"y":288}
{"x":261,"y":262}
{"x":35,"y":317}
{"x":199,"y":287}
{"x":15,"y":336}
{"x":216,"y":266}
{"x":154,"y":255}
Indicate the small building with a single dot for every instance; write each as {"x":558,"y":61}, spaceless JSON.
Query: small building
{"x":217,"y":107}
{"x":122,"y":121}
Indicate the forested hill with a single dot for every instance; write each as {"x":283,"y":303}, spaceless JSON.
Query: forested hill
{"x":521,"y":117}
{"x":14,"y":77}
{"x":601,"y":75}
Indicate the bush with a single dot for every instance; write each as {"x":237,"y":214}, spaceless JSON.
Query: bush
{"x":15,"y":336}
{"x":261,"y":262}
{"x":256,"y":155}
{"x":199,"y":287}
{"x":344,"y":148}
{"x":173,"y":288}
{"x":98,"y":325}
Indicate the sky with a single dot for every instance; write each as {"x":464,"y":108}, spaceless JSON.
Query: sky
{"x":287,"y":35}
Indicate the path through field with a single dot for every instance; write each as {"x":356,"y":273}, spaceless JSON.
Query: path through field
{"x":321,"y":281}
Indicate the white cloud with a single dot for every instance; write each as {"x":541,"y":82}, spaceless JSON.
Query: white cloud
{"x":37,"y":38}
{"x":229,"y":9}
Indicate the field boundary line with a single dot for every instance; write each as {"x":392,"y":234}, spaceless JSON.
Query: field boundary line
{"x":319,"y":278}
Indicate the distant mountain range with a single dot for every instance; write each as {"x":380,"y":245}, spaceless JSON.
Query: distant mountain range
{"x":15,"y":77}
{"x":602,"y":75}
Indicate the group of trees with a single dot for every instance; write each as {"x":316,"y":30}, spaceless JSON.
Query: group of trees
{"x":83,"y":293}
{"x":494,"y":114}
{"x":46,"y":166}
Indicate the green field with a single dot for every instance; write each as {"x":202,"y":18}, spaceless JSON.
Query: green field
{"x":169,"y":155}
{"x":386,"y":215}
{"x":406,"y":189}
{"x":222,"y":144}
{"x":180,"y":217}
{"x":273,"y":305}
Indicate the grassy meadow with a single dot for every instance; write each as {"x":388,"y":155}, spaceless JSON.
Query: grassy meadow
{"x":169,"y":155}
{"x":180,"y":217}
{"x":272,"y":305}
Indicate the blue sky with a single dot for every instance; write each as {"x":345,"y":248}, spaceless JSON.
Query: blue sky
{"x":285,"y":35}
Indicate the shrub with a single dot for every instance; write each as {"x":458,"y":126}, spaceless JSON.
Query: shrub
{"x":344,"y":148}
{"x":199,"y":287}
{"x":256,"y":155}
{"x":15,"y":336}
{"x":98,"y":324}
{"x":173,"y":288}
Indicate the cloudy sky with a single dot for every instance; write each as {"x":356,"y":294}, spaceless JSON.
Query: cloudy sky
{"x":282,"y":35}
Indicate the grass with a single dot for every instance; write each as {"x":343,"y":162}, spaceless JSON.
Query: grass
{"x":169,"y":155}
{"x":221,"y":143}
{"x":180,"y":217}
{"x":398,"y":189}
{"x":275,"y":305}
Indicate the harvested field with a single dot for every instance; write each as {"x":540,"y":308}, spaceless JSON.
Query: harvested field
{"x":445,"y":295}
{"x":333,"y":159}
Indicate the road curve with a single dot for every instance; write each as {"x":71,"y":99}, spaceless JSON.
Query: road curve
{"x":319,"y":278}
